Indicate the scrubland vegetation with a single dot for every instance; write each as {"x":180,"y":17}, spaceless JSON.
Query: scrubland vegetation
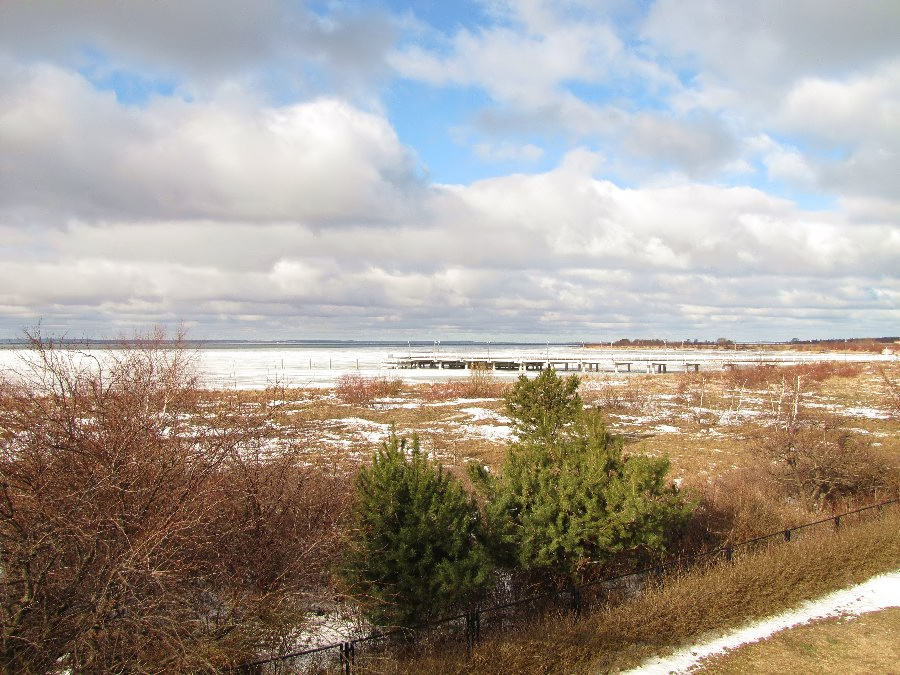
{"x":147,"y":524}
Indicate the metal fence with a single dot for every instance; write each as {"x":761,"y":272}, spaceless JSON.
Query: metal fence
{"x":467,"y":628}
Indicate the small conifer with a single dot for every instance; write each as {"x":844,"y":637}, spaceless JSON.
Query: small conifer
{"x":566,"y":497}
{"x":416,"y":547}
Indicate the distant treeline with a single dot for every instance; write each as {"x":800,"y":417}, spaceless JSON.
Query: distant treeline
{"x":835,"y":344}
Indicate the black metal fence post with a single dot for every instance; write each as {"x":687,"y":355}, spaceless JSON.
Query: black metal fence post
{"x":473,"y":628}
{"x":347,"y":657}
{"x":729,"y":553}
{"x":787,"y":535}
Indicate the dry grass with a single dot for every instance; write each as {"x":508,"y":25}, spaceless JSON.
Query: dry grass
{"x":862,"y":644}
{"x":710,"y":425}
{"x":356,"y":389}
{"x":480,"y":383}
{"x":678,"y":612}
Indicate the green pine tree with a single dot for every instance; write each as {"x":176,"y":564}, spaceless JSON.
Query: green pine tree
{"x":566,"y":497}
{"x":416,"y":548}
{"x":543,"y":407}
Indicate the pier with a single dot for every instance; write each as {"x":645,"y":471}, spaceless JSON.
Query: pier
{"x":637,"y":361}
{"x":583,"y":363}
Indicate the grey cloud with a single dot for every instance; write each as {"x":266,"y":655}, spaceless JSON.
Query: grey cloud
{"x":201,"y":43}
{"x":207,"y":37}
{"x":870,"y":171}
{"x":761,"y":43}
{"x":853,"y":128}
{"x":697,"y":146}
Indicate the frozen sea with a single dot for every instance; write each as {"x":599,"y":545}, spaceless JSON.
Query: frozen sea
{"x":321,"y":364}
{"x":257,"y":365}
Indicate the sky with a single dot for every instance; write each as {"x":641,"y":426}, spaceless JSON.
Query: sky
{"x":578,"y":170}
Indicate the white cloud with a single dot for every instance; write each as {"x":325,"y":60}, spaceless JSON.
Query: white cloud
{"x":525,"y":69}
{"x":791,"y":167}
{"x":854,"y":110}
{"x":71,"y":149}
{"x":503,"y":152}
{"x":514,"y":255}
{"x":756,"y":45}
{"x":855,"y":123}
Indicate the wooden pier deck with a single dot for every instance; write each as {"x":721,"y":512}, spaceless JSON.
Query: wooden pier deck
{"x":564,"y":363}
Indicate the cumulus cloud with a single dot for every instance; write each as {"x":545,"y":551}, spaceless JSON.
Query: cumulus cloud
{"x":855,"y":125}
{"x":697,"y":145}
{"x":70,"y":149}
{"x":514,"y":255}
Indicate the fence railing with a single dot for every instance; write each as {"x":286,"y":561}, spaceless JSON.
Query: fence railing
{"x":468,"y":626}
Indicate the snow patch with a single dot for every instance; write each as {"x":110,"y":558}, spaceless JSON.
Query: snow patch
{"x":876,"y":594}
{"x":374,"y":432}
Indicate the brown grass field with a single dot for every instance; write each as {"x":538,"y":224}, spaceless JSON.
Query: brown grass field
{"x":862,"y":644}
{"x":708,"y":424}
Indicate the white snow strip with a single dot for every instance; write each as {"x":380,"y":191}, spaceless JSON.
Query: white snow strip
{"x":490,"y":432}
{"x":878,"y":593}
{"x":484,"y":415}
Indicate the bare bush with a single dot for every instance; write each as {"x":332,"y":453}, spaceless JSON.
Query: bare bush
{"x":483,"y":383}
{"x":696,"y":392}
{"x":444,"y":391}
{"x":480,"y":383}
{"x":356,"y":389}
{"x":763,"y":376}
{"x":142,"y":528}
{"x":630,"y":394}
{"x":823,"y":467}
{"x":891,"y":388}
{"x":736,"y":506}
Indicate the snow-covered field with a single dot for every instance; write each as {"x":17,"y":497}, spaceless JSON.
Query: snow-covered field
{"x":878,"y":593}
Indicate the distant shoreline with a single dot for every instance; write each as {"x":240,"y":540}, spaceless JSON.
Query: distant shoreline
{"x":829,"y":345}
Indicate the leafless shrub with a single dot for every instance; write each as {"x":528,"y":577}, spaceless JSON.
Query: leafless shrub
{"x":481,"y":382}
{"x":784,"y":402}
{"x":823,"y":467}
{"x":142,"y":530}
{"x":891,"y":388}
{"x":811,"y":461}
{"x":629,"y":395}
{"x":762,"y":376}
{"x":355,"y":389}
{"x":696,"y":392}
{"x":736,"y":506}
{"x":443,"y":391}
